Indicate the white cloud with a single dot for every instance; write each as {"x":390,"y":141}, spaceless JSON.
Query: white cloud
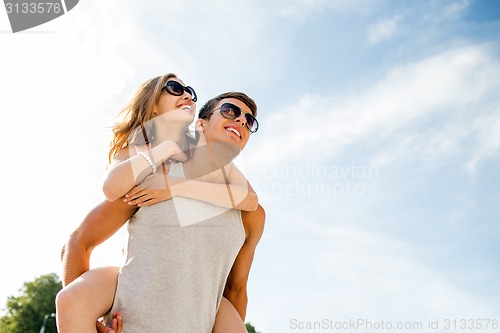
{"x":455,"y":9}
{"x":475,"y":136}
{"x":449,"y":85}
{"x":439,"y":11}
{"x":382,"y":30}
{"x":487,"y":130}
{"x":430,"y":145}
{"x":302,"y":8}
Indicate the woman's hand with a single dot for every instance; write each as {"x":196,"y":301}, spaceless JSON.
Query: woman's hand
{"x":116,"y":324}
{"x":152,"y":190}
{"x":170,"y":150}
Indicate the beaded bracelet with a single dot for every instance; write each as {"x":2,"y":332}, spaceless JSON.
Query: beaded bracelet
{"x":148,"y":159}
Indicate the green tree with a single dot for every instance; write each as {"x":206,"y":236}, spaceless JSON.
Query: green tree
{"x":26,"y":312}
{"x":250,"y":328}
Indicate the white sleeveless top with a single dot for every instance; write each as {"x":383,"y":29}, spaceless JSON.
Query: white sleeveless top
{"x":179,"y":255}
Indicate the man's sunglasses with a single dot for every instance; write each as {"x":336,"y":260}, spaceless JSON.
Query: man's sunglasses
{"x":231,"y":111}
{"x":177,"y":89}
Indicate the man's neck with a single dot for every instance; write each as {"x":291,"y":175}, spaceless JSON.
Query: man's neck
{"x":210,"y":156}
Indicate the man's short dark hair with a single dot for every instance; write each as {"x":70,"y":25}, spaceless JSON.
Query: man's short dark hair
{"x":207,"y":109}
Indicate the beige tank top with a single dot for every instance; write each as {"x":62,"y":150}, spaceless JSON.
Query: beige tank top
{"x":179,"y":255}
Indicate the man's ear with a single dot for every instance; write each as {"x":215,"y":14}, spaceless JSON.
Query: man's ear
{"x":200,"y":125}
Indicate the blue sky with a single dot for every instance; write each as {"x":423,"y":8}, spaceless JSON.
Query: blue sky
{"x":377,"y":160}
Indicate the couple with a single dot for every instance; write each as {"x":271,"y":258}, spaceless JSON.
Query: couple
{"x":193,"y":226}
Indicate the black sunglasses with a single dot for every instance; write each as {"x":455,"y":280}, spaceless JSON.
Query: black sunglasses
{"x":177,"y":89}
{"x":231,"y":111}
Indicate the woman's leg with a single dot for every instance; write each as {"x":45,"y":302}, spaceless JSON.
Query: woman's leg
{"x":86,"y":299}
{"x":228,"y":319}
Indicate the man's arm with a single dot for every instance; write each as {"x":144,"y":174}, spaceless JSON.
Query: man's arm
{"x":236,"y":285}
{"x":99,"y":224}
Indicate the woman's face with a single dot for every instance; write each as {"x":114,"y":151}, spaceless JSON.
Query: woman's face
{"x":176,"y":108}
{"x":221,"y":129}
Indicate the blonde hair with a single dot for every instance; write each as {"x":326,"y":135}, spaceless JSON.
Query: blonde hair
{"x":136,"y":126}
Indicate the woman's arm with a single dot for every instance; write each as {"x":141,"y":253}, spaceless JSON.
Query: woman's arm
{"x":129,"y":168}
{"x":238,"y":194}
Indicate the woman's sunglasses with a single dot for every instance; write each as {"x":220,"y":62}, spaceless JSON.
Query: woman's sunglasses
{"x":177,"y":89}
{"x":231,"y":111}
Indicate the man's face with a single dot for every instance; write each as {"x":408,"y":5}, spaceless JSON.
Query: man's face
{"x":221,"y":129}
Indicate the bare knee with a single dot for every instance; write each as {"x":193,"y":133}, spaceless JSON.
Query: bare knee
{"x":72,"y":315}
{"x":64,"y":305}
{"x":65,"y":298}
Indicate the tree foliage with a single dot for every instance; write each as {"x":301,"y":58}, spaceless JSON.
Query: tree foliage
{"x":250,"y":328}
{"x":25,"y":313}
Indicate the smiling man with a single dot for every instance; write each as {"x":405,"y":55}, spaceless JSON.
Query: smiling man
{"x":176,"y":272}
